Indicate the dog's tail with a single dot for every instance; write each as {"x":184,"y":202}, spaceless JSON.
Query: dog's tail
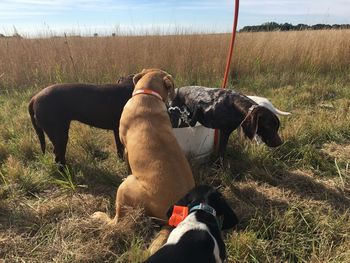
{"x":279,"y":112}
{"x":37,"y":129}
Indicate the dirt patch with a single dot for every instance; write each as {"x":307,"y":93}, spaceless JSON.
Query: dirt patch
{"x":341,"y":152}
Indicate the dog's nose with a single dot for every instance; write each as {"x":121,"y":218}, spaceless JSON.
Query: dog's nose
{"x":275,"y":142}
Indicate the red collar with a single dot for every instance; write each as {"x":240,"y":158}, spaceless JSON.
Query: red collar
{"x":148,"y":92}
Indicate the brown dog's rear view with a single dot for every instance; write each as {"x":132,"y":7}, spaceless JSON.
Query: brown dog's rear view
{"x":160,"y":171}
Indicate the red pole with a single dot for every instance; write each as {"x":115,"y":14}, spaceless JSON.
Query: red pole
{"x":228,"y":61}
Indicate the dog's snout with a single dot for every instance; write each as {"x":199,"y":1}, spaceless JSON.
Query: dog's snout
{"x":274,"y":142}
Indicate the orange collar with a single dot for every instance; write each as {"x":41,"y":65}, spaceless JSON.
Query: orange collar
{"x":178,"y":215}
{"x":148,"y":92}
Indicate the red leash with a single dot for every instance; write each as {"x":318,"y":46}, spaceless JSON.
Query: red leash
{"x":228,"y":63}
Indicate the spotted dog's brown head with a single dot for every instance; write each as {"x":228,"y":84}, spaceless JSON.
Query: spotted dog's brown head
{"x":261,"y":121}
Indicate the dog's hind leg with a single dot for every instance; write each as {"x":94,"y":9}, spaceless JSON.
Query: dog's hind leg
{"x":160,"y":239}
{"x":126,"y":159}
{"x":129,"y":194}
{"x":118,"y":143}
{"x":58,"y":135}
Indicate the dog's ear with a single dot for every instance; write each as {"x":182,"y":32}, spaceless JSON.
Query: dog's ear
{"x":230,"y":218}
{"x":170,"y":86}
{"x":223,"y":209}
{"x":120,"y":80}
{"x":137,"y":77}
{"x":250,"y":123}
{"x":177,"y":92}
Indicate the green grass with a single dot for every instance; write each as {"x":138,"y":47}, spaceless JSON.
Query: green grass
{"x":292,"y":201}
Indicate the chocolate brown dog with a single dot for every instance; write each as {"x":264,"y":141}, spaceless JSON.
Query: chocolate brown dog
{"x":53,"y":108}
{"x":161,"y":174}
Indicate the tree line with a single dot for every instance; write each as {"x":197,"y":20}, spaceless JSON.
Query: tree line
{"x":273,"y":26}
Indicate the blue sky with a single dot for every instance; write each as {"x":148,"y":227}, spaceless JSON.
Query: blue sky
{"x":105,"y":16}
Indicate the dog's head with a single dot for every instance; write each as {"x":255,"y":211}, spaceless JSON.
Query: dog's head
{"x":174,"y":115}
{"x":157,"y":80}
{"x":261,"y":121}
{"x":209,"y":195}
{"x":176,"y":100}
{"x":126,"y":80}
{"x":176,"y":106}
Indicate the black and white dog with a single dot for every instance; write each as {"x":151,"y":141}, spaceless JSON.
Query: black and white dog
{"x":198,"y":238}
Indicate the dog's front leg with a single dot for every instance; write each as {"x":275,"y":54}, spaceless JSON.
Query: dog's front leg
{"x":224,"y":136}
{"x":194,"y":118}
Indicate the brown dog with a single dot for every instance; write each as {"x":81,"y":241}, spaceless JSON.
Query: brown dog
{"x":53,"y":108}
{"x":161,"y":174}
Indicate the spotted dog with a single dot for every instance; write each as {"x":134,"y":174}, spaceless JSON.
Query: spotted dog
{"x":198,"y":237}
{"x":226,"y":110}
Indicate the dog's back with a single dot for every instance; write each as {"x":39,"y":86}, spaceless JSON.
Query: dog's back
{"x":96,"y":105}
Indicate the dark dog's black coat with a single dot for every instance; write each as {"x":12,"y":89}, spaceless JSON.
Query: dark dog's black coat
{"x":196,"y":243}
{"x":53,"y":108}
{"x":226,"y":110}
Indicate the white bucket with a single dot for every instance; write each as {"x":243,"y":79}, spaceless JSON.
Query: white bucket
{"x":196,"y":142}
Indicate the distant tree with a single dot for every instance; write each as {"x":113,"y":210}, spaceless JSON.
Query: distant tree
{"x":317,"y":26}
{"x":273,"y":26}
{"x":95,"y":35}
{"x":345,"y":26}
{"x":1,"y":35}
{"x":301,"y":27}
{"x":286,"y":27}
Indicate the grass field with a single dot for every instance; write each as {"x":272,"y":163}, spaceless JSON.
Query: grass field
{"x":293,"y":201}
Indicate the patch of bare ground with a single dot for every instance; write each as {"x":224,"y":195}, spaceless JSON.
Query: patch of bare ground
{"x":341,"y":152}
{"x":341,"y":155}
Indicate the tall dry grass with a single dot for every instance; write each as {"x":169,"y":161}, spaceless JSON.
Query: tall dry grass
{"x":193,"y":59}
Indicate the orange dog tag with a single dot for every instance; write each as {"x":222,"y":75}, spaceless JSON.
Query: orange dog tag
{"x":178,"y":215}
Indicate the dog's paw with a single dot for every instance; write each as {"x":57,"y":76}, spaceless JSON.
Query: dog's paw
{"x":103,"y":217}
